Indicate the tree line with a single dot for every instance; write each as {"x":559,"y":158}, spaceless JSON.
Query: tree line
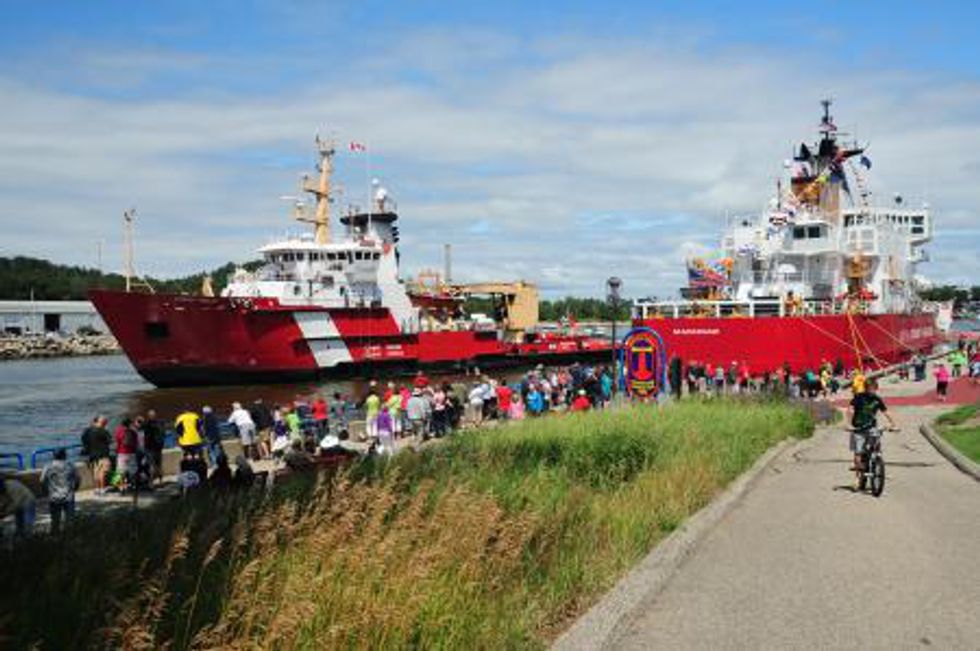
{"x":959,"y":295}
{"x":23,"y":278}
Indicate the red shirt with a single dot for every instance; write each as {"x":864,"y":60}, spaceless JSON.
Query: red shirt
{"x":123,"y":441}
{"x":421,"y":381}
{"x":504,"y":394}
{"x":581,"y":404}
{"x":320,"y":409}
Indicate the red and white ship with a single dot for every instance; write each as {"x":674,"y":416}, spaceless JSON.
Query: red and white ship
{"x":820,"y":275}
{"x":326,"y":307}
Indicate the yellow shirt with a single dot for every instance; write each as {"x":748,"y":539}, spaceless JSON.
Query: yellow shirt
{"x":857,"y":384}
{"x":191,"y":435}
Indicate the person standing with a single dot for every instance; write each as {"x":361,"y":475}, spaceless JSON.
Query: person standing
{"x":127,"y":445}
{"x":96,"y":443}
{"x":294,"y":424}
{"x":19,"y":500}
{"x":153,"y":442}
{"x":394,"y":405}
{"x":188,"y":431}
{"x":417,"y":412}
{"x":386,"y":438}
{"x":516,"y":408}
{"x":212,"y":435}
{"x":262,"y":418}
{"x":372,"y":407}
{"x":476,"y":404}
{"x":60,"y":481}
{"x":942,"y":381}
{"x":504,"y":396}
{"x":242,"y":420}
{"x":320,"y":414}
{"x":439,"y":412}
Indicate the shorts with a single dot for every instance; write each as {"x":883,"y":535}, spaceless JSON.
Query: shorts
{"x":126,"y":463}
{"x":99,"y":468}
{"x":858,"y":441}
{"x":247,"y":435}
{"x":941,"y":388}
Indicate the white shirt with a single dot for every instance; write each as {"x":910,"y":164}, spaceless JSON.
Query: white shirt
{"x":241,"y":419}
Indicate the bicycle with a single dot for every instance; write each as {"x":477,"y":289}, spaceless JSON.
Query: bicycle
{"x":872,"y":462}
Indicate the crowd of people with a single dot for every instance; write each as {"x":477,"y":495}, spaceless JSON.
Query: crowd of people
{"x":299,"y":434}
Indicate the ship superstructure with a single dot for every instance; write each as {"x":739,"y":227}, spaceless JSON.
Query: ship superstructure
{"x":820,"y":258}
{"x":329,"y":302}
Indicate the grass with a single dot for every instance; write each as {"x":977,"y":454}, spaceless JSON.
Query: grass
{"x":957,"y":428}
{"x":493,"y":539}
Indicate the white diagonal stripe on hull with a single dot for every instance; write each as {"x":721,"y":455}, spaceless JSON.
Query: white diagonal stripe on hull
{"x":324,"y":340}
{"x":316,"y":325}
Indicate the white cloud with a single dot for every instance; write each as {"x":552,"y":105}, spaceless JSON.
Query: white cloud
{"x":558,"y":161}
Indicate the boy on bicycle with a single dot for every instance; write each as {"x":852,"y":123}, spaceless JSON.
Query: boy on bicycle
{"x":865,"y":407}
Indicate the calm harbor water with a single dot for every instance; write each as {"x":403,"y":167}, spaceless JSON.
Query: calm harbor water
{"x":50,"y":401}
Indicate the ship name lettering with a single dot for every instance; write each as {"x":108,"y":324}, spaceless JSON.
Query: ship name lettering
{"x":697,"y":331}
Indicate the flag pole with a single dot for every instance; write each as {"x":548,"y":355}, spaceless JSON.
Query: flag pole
{"x":367,"y":179}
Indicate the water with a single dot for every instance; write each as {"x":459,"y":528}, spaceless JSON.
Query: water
{"x":49,"y":402}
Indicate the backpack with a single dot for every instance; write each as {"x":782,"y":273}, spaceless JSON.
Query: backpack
{"x":131,"y":440}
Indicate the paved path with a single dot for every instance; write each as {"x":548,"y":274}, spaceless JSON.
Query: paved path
{"x":806,"y":563}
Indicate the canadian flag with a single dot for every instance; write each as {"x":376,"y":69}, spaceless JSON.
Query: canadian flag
{"x":357,"y":146}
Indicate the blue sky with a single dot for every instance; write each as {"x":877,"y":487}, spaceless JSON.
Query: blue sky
{"x":558,"y":142}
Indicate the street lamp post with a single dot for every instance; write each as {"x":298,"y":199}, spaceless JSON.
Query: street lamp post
{"x":613,"y":285}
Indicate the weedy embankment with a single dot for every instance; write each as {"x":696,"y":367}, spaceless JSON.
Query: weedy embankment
{"x":495,"y":538}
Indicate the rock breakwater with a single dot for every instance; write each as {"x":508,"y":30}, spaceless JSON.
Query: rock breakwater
{"x":38,"y":347}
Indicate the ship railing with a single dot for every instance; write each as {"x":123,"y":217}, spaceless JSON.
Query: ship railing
{"x":720,"y":309}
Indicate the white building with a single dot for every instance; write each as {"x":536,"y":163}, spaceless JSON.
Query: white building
{"x":36,"y":317}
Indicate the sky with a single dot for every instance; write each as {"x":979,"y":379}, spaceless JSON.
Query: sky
{"x":560,"y":143}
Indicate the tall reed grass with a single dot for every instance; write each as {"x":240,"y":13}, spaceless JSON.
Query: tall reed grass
{"x":495,"y":538}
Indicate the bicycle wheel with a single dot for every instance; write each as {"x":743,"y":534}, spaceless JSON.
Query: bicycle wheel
{"x":863,"y":476}
{"x":877,"y":476}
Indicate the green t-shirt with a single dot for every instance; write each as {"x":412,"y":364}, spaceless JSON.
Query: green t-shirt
{"x":372,"y":405}
{"x":866,"y":407}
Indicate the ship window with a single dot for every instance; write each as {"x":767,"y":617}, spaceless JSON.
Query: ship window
{"x":813,"y":232}
{"x":377,"y":256}
{"x":156,"y":330}
{"x":358,"y":255}
{"x":331,"y":256}
{"x":848,"y":220}
{"x":799,"y":232}
{"x":918,"y":230}
{"x":300,"y":257}
{"x":296,"y":290}
{"x":918,"y":219}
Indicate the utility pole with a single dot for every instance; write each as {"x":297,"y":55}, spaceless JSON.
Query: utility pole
{"x":613,"y":285}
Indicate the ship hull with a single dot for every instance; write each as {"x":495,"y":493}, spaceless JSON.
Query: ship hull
{"x":768,"y":343}
{"x":175,"y":340}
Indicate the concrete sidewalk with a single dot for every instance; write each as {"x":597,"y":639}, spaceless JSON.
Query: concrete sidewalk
{"x":805,"y":562}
